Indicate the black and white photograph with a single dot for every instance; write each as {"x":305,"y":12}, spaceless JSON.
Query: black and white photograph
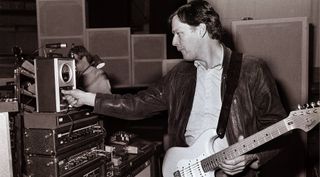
{"x":159,"y":88}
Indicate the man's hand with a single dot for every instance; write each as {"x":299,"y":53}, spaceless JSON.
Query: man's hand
{"x":77,"y":98}
{"x":238,"y":164}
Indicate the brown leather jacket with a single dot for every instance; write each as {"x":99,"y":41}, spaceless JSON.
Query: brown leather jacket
{"x":256,"y":103}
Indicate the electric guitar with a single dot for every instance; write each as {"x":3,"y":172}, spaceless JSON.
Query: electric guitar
{"x":197,"y":161}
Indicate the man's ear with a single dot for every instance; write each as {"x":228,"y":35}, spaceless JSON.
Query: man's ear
{"x":202,"y":28}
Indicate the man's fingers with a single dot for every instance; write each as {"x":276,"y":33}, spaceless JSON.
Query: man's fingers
{"x":235,"y":161}
{"x":237,"y":164}
{"x":233,"y":172}
{"x":74,"y":103}
{"x":65,"y":91}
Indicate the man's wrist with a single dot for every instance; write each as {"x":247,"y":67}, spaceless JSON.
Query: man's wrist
{"x":90,"y":98}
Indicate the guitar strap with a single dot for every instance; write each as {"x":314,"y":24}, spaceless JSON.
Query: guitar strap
{"x":233,"y":74}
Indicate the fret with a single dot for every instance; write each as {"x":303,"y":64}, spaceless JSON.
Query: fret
{"x":220,"y":158}
{"x":261,"y":141}
{"x":215,"y":163}
{"x":254,"y":142}
{"x":267,"y":137}
{"x":234,"y":152}
{"x":244,"y":147}
{"x":275,"y":133}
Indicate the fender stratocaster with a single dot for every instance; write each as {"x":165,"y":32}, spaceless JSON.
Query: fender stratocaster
{"x":198,"y":161}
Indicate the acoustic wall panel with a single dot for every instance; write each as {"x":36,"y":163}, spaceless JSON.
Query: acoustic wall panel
{"x":147,"y":72}
{"x":148,"y":51}
{"x":61,"y":17}
{"x":149,"y":46}
{"x":283,"y":44}
{"x":113,"y":46}
{"x":109,"y":42}
{"x":119,"y":72}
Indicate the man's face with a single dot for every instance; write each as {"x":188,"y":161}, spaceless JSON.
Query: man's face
{"x":185,"y":39}
{"x":81,"y":63}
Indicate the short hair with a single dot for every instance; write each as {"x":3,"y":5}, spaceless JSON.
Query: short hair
{"x":81,"y":51}
{"x":200,"y":11}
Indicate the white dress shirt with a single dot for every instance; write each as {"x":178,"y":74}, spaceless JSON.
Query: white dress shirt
{"x":206,"y":105}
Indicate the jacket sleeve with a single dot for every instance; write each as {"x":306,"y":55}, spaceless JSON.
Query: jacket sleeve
{"x":268,"y":107}
{"x":132,"y":106}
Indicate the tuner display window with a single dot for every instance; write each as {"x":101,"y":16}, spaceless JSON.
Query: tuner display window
{"x":66,"y":73}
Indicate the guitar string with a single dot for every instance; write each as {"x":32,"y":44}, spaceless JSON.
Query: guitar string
{"x":222,"y":155}
{"x":279,"y":129}
{"x":191,"y":168}
{"x":252,"y":141}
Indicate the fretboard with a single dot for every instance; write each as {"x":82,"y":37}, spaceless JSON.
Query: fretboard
{"x":211,"y":163}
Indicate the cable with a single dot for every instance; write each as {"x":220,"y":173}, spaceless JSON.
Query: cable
{"x":72,"y":122}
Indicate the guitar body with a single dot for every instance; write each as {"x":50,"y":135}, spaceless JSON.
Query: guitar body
{"x":180,"y":161}
{"x":200,"y":160}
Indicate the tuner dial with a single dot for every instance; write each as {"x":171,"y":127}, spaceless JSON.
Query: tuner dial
{"x":312,"y":104}
{"x":299,"y":106}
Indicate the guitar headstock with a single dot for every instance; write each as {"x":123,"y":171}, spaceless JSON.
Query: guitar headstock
{"x":307,"y":117}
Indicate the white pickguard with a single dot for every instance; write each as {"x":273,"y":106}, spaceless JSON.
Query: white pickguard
{"x":187,"y":160}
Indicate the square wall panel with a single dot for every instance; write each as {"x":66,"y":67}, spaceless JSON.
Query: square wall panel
{"x":119,"y":72}
{"x":146,"y":72}
{"x":109,"y":42}
{"x":60,"y":17}
{"x":148,"y":46}
{"x":283,"y":44}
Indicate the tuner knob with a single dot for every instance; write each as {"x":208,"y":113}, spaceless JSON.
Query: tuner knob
{"x":312,"y":104}
{"x":299,"y":106}
{"x":307,"y":105}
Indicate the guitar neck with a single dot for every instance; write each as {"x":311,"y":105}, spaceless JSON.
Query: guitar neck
{"x":211,"y":163}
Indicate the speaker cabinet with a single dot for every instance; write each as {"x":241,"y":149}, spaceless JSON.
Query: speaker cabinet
{"x":283,"y":44}
{"x":52,"y":75}
{"x":113,"y":46}
{"x":148,"y":51}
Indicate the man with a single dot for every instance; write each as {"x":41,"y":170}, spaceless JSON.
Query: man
{"x":193,"y":91}
{"x":89,"y":78}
